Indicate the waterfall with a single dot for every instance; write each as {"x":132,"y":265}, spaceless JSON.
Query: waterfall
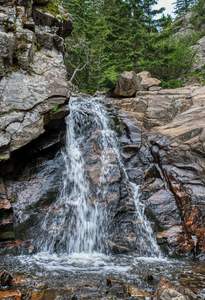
{"x":78,"y":220}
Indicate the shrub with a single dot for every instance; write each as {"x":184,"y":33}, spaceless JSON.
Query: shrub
{"x":170,"y":59}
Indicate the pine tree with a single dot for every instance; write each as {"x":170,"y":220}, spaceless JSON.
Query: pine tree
{"x":105,"y":34}
{"x":198,"y":16}
{"x":119,"y":48}
{"x":150,"y":14}
{"x":85,"y":48}
{"x":183,"y":6}
{"x":111,"y":36}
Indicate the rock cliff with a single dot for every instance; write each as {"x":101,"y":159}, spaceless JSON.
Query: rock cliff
{"x":33,"y":79}
{"x":171,"y":159}
{"x":191,"y":25}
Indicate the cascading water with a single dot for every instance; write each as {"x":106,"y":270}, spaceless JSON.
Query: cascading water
{"x":78,"y":221}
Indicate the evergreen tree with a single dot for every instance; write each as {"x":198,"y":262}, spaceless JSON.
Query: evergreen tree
{"x":150,"y":32}
{"x":183,"y":6}
{"x":150,"y":14}
{"x":111,"y":36}
{"x":85,"y":48}
{"x":120,"y":40}
{"x":198,"y":16}
{"x":106,"y":35}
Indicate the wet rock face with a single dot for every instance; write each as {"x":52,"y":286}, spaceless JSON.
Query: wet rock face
{"x":32,"y":179}
{"x":6,"y":215}
{"x":36,"y":184}
{"x":172,"y":164}
{"x":33,"y":86}
{"x":166,"y":160}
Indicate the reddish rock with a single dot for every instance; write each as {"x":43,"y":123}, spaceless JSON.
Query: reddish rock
{"x":138,"y":293}
{"x":168,"y":291}
{"x":5,"y":204}
{"x":172,"y":151}
{"x":16,"y":247}
{"x":11,"y":295}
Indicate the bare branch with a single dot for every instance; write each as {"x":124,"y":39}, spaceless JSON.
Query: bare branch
{"x":78,"y":69}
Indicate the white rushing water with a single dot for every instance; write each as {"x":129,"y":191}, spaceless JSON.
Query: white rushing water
{"x":77,"y":223}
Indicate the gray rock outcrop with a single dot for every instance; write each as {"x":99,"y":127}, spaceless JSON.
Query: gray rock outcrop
{"x":200,"y":54}
{"x":33,"y":76}
{"x":184,"y":26}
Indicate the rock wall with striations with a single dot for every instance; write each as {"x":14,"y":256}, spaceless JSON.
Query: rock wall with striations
{"x":33,"y":80}
{"x":172,"y":156}
{"x":33,"y":76}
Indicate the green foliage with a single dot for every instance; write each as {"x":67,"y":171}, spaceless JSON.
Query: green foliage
{"x":172,"y":84}
{"x":85,"y":49}
{"x":111,"y":36}
{"x":52,"y":7}
{"x":198,"y":16}
{"x":197,"y":76}
{"x":56,"y":108}
{"x":110,"y":77}
{"x":183,"y":6}
{"x":108,"y":38}
{"x":167,"y":57}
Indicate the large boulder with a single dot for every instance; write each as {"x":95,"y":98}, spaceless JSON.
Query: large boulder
{"x":127,"y":85}
{"x":41,"y":93}
{"x":184,"y":26}
{"x":130,"y":82}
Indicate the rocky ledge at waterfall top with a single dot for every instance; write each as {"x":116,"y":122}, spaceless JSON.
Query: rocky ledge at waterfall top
{"x":172,"y":154}
{"x":33,"y":83}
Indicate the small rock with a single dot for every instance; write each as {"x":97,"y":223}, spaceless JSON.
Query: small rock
{"x":10,"y":295}
{"x":168,"y":291}
{"x":147,"y":81}
{"x":155,"y":88}
{"x":137,"y":293}
{"x":171,"y":294}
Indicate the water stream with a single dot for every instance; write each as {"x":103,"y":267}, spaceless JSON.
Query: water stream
{"x":74,"y":230}
{"x":78,"y":220}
